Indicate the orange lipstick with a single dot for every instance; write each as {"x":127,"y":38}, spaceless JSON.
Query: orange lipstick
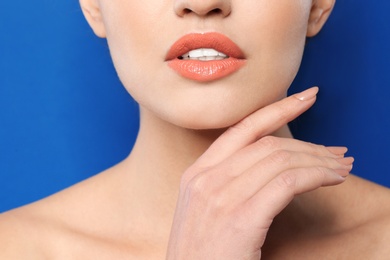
{"x":205,"y":69}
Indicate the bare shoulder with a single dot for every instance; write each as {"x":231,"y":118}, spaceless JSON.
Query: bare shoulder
{"x":368,"y":241}
{"x":352,"y":221}
{"x":34,"y":231}
{"x":379,"y":228}
{"x":370,"y":234}
{"x":18,"y":236}
{"x":382,"y":229}
{"x":41,"y":230}
{"x":76,"y":223}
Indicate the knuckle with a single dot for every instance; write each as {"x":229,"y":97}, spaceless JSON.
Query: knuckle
{"x":287,"y":180}
{"x":243,"y":127}
{"x":195,"y":192}
{"x":270,"y":142}
{"x":318,"y":148}
{"x":201,"y":192}
{"x":192,"y":174}
{"x":281,"y":157}
{"x":321,"y":147}
{"x":218,"y":201}
{"x":197,"y":185}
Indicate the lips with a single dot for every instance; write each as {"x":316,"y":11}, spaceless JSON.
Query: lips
{"x":205,"y":70}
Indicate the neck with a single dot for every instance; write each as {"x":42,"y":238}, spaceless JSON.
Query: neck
{"x":161,"y":153}
{"x":166,"y":150}
{"x":159,"y":157}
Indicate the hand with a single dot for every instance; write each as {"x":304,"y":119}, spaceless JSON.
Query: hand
{"x":229,"y":197}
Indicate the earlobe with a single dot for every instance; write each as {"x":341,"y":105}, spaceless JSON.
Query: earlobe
{"x":92,"y":14}
{"x":319,"y":14}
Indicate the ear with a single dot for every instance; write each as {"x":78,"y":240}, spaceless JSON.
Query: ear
{"x":93,"y":15}
{"x":319,"y":14}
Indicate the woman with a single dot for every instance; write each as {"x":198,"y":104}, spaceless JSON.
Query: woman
{"x":214,"y":164}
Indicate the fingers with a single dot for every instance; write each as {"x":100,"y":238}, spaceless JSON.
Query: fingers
{"x":282,"y":164}
{"x":262,"y":122}
{"x":248,"y":156}
{"x":275,"y":196}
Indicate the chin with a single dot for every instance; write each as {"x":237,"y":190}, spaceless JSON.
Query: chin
{"x":206,"y":125}
{"x":205,"y":119}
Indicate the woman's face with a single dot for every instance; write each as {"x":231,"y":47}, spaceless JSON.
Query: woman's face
{"x":270,"y":35}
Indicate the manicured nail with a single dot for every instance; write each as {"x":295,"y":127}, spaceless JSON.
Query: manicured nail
{"x":337,"y":150}
{"x":346,"y":160}
{"x":346,"y":163}
{"x":307,"y":94}
{"x":342,"y":173}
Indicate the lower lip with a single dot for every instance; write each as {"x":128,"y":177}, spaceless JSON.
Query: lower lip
{"x":205,"y":71}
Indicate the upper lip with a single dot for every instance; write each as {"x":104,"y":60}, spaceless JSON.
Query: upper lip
{"x":211,"y":40}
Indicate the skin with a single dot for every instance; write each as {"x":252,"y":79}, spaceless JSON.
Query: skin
{"x":210,"y":188}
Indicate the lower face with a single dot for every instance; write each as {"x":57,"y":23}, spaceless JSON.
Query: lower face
{"x":270,"y":34}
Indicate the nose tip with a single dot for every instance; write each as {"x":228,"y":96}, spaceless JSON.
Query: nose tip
{"x":202,"y":7}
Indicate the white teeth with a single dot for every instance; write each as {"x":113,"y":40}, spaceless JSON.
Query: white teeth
{"x":204,"y":54}
{"x":197,"y":53}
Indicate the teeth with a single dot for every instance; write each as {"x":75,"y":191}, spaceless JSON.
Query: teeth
{"x":204,"y":54}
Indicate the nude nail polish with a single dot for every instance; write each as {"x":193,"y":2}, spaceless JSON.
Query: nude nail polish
{"x":336,"y":150}
{"x":307,"y":94}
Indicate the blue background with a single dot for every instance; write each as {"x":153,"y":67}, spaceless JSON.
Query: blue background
{"x":64,"y":115}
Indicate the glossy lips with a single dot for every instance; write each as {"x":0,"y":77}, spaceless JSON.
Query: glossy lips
{"x":209,"y":70}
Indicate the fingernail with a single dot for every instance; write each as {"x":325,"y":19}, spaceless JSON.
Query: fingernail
{"x":307,"y":94}
{"x":346,"y":163}
{"x":337,"y":178}
{"x":337,"y":150}
{"x":342,"y":173}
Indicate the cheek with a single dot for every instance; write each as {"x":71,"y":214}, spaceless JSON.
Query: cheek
{"x":132,"y":29}
{"x":278,"y":36}
{"x":274,"y":40}
{"x":277,"y":33}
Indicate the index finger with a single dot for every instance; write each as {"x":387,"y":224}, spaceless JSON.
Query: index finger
{"x":258,"y":124}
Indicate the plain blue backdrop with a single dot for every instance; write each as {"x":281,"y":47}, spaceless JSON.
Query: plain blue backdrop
{"x":64,"y":115}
